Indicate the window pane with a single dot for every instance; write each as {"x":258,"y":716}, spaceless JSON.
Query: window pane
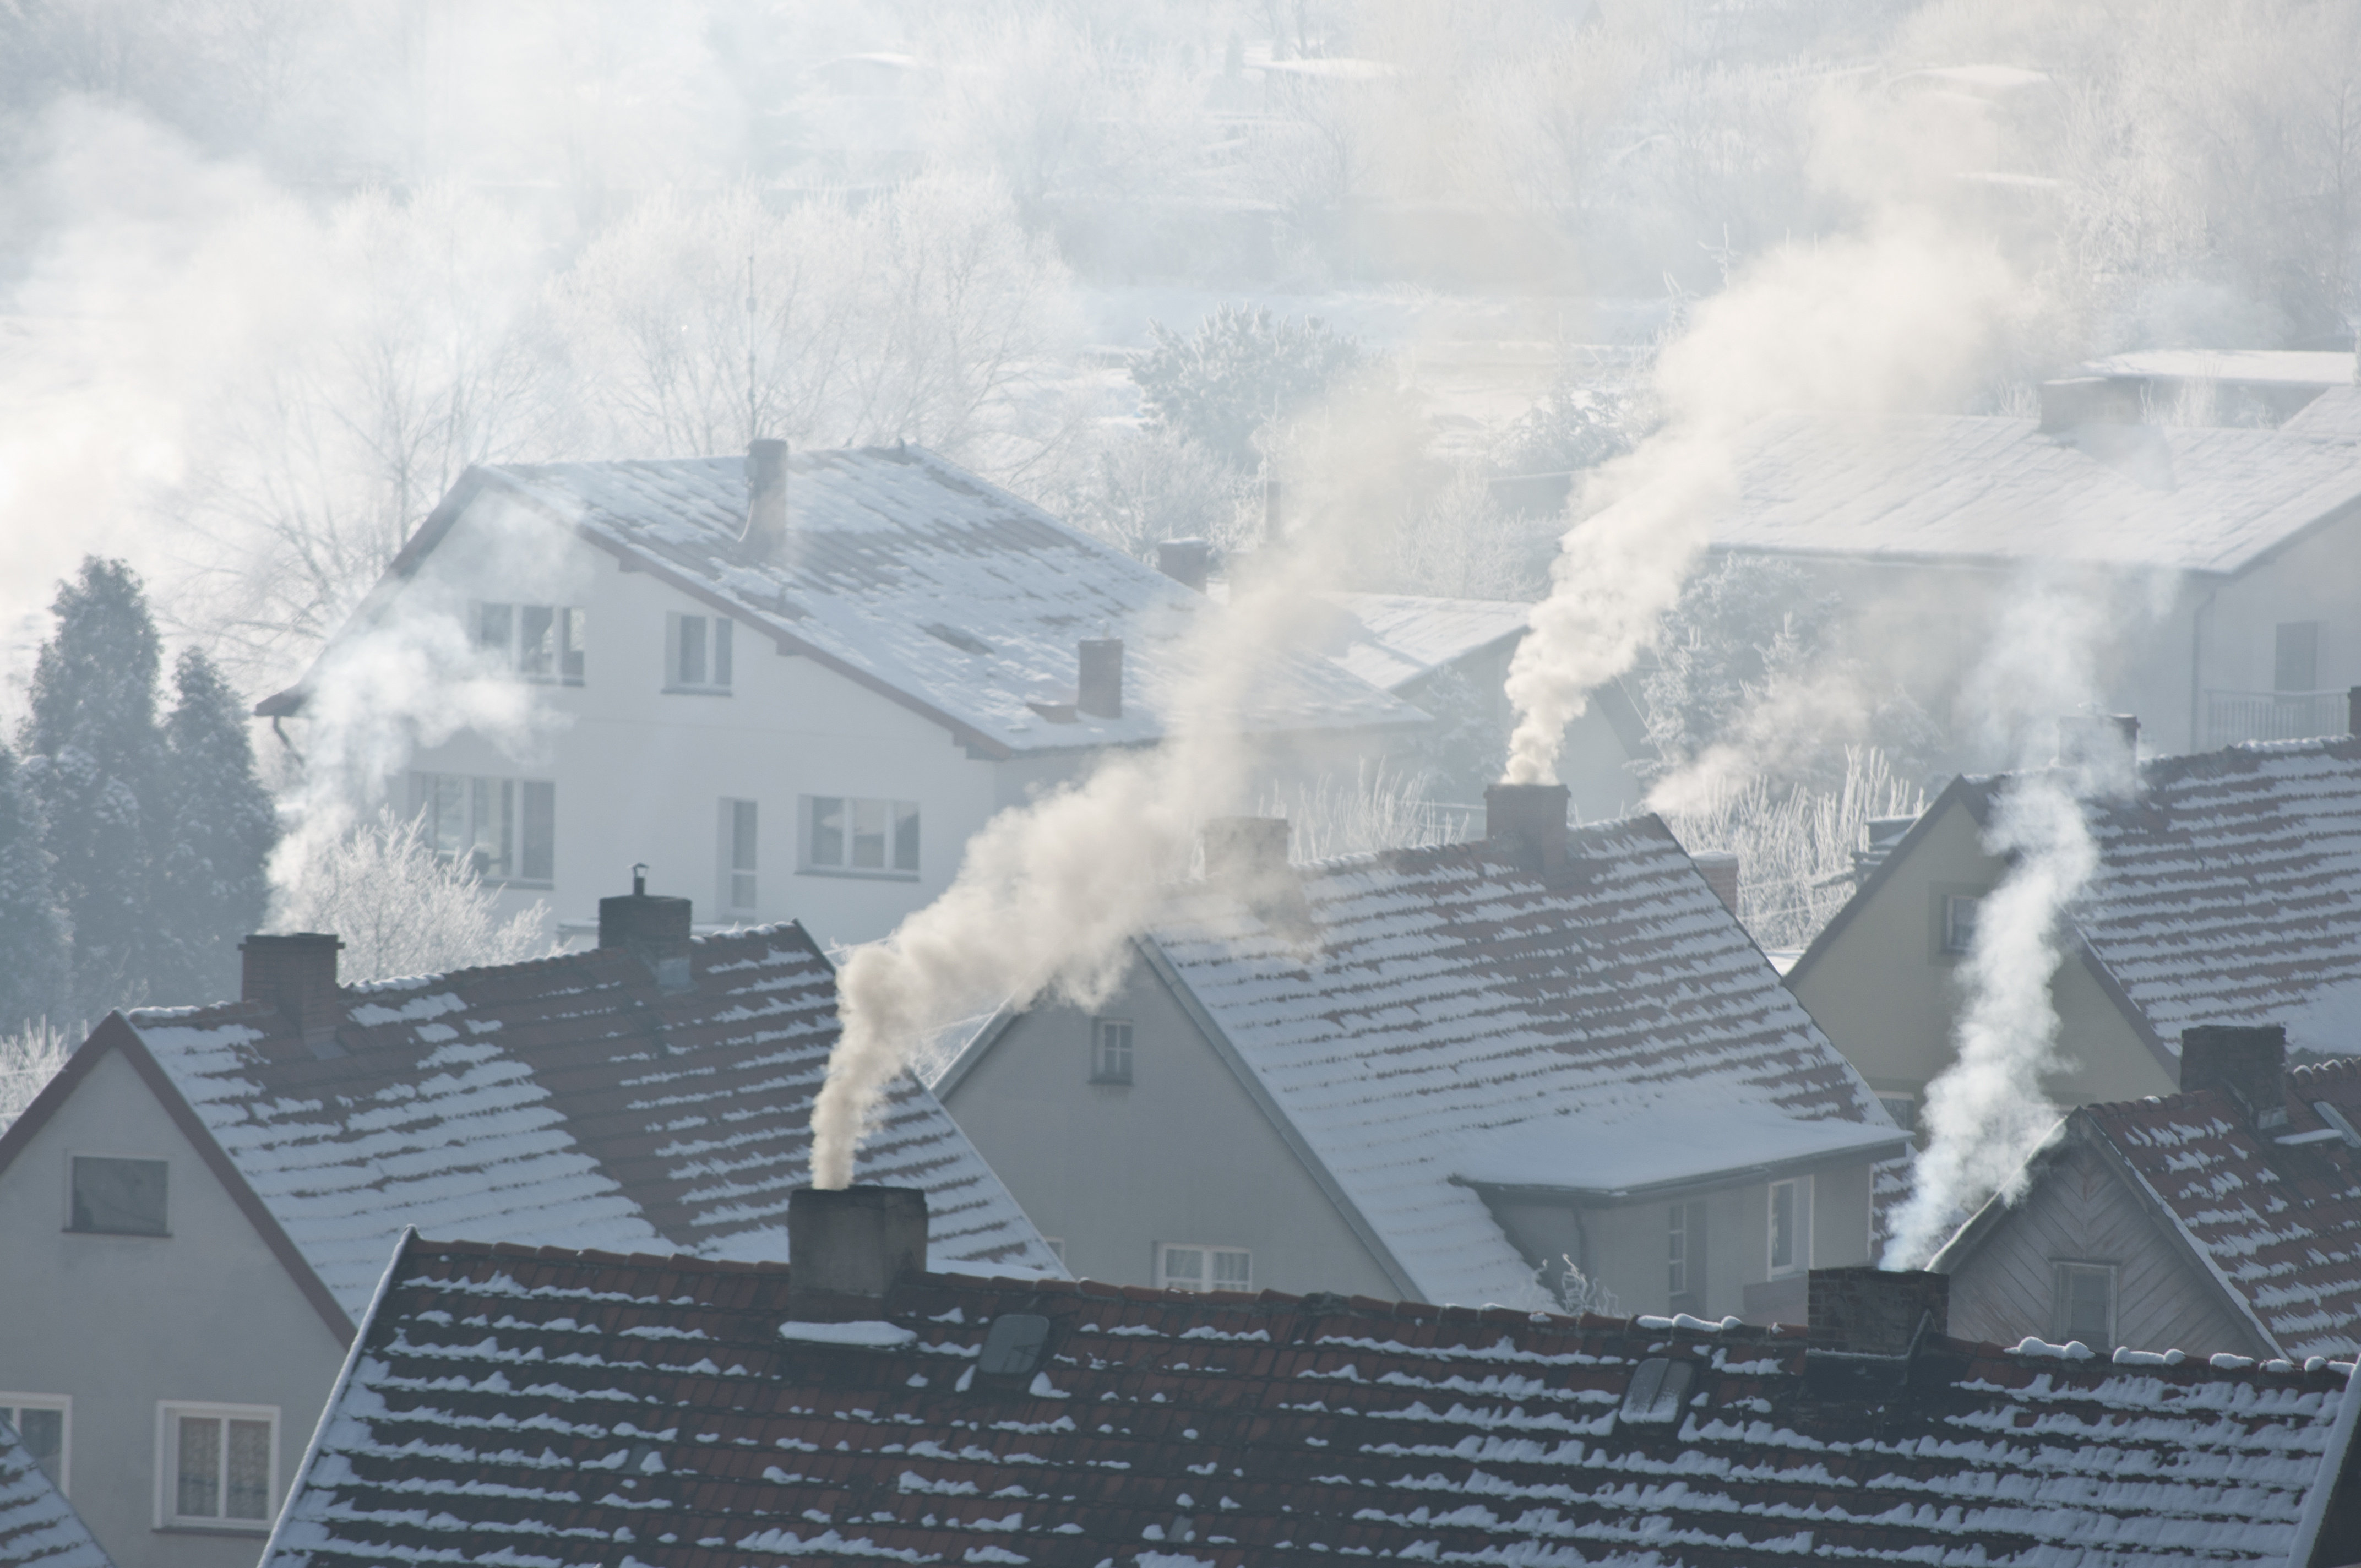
{"x":247,"y":1495}
{"x":119,"y":1197}
{"x":692,"y":649}
{"x":2084,"y":1308}
{"x":536,"y":640}
{"x":450,"y":825}
{"x":482,"y":820}
{"x":537,"y":851}
{"x":827,"y":830}
{"x":722,"y":652}
{"x":1232,"y":1270}
{"x":741,"y":835}
{"x":1959,"y":923}
{"x":492,"y":628}
{"x":1184,"y":1267}
{"x":869,"y":835}
{"x":906,"y":835}
{"x":2296,"y":667}
{"x":1783,"y":1225}
{"x":43,"y":1433}
{"x":575,"y":633}
{"x":1677,"y":1274}
{"x":200,"y":1472}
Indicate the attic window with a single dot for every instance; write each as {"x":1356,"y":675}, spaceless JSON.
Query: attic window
{"x":1016,"y":1346}
{"x":966,"y":643}
{"x":1658,"y":1389}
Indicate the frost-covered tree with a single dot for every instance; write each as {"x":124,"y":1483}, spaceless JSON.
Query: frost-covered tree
{"x":401,"y":909}
{"x":95,"y":754}
{"x":1240,"y":371}
{"x":34,"y":954}
{"x":213,"y":885}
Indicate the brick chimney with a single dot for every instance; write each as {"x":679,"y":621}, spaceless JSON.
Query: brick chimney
{"x":2097,"y":738}
{"x":296,"y":974}
{"x":1875,"y":1311}
{"x":2250,"y":1061}
{"x":1247,"y":857}
{"x":847,"y":1246}
{"x":766,"y":495}
{"x":1526,"y":823}
{"x":1186,"y":561}
{"x":1099,"y":693}
{"x":651,"y":928}
{"x":1720,"y":868}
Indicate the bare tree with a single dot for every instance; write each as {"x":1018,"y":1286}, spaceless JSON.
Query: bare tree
{"x":403,"y":910}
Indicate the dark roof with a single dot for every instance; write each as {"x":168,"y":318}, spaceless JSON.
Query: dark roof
{"x":2228,"y":891}
{"x":1434,"y":1021}
{"x":506,"y":1405}
{"x":39,"y":1528}
{"x":566,"y":1101}
{"x":916,"y":578}
{"x":2273,"y":1217}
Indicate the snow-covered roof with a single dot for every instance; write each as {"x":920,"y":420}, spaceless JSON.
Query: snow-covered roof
{"x":564,"y":1102}
{"x":2258,"y":367}
{"x":39,"y":1528}
{"x":1442,"y":1011}
{"x":1981,"y":489}
{"x":1393,"y":639}
{"x":668,"y":1412}
{"x":921,"y":581}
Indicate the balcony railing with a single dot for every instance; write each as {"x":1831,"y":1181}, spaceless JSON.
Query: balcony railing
{"x":2232,"y":715}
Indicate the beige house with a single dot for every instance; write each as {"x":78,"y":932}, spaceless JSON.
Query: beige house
{"x":1463,"y":1073}
{"x":2229,"y":892}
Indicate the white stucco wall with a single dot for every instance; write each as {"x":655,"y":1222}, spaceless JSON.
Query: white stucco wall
{"x":118,"y":1323}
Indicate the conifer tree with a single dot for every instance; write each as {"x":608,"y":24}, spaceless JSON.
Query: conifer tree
{"x":93,"y":760}
{"x":34,"y":951}
{"x":220,"y":827}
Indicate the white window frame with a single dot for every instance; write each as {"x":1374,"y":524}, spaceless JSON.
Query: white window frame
{"x":717,"y":642}
{"x":1165,"y":1280}
{"x":66,"y":1221}
{"x":423,"y":785}
{"x":1099,"y":1029}
{"x":1802,"y":1262}
{"x":2114,"y":1274}
{"x":808,"y":861}
{"x":730,"y":879}
{"x":569,"y":638}
{"x":1951,"y":941}
{"x":1690,"y":1239}
{"x":167,"y":1465}
{"x":63,"y":1405}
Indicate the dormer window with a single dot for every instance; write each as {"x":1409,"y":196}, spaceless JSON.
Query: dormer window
{"x":539,"y":641}
{"x":698,"y":653}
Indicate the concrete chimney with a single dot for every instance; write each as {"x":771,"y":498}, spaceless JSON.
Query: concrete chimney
{"x":1720,"y":868}
{"x":847,"y":1246}
{"x":2088,"y":399}
{"x":651,"y":928}
{"x":1186,"y":561}
{"x":1526,"y":823}
{"x":1875,"y":1311}
{"x":296,"y":975}
{"x":2250,"y":1061}
{"x":766,"y":495}
{"x":1247,"y":857}
{"x":2088,"y":737}
{"x":2352,"y":711}
{"x":1099,"y":693}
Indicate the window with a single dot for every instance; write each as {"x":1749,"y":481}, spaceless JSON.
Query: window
{"x":41,"y":1422}
{"x":2295,"y":662}
{"x":220,"y":1465}
{"x":2084,"y":1305}
{"x":1791,"y":1226}
{"x":119,"y":1197}
{"x":698,"y":653}
{"x":1901,"y":1110}
{"x":1958,"y":922}
{"x":1659,"y":1385}
{"x":539,"y":641}
{"x":1196,"y":1267}
{"x":1110,"y":1050}
{"x":506,"y":827}
{"x":848,"y":836}
{"x":738,"y":854}
{"x":1686,"y":1274}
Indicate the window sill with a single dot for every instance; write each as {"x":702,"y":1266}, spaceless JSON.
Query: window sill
{"x":855,"y":874}
{"x":134,"y":1235}
{"x":696,"y":691}
{"x":257,"y":1531}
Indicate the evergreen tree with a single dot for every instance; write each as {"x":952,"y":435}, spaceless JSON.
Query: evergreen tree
{"x":95,"y":754}
{"x":34,"y":950}
{"x":213,"y":884}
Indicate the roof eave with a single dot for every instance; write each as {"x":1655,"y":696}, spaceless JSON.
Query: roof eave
{"x":1697,"y":1181}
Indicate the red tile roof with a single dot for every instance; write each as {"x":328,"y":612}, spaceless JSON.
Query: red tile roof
{"x":514,"y":1406}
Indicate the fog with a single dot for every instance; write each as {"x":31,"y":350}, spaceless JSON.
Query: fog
{"x":273,"y":274}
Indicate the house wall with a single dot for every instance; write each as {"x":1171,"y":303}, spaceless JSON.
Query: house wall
{"x":1889,"y":997}
{"x":2311,"y":579}
{"x":2079,"y":1211}
{"x":1626,"y":1247}
{"x":1181,"y":1154}
{"x":118,"y":1323}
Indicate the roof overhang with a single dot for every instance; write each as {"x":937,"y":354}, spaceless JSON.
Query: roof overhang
{"x":1665,"y":1152}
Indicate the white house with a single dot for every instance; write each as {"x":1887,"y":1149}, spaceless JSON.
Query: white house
{"x":800,"y":709}
{"x":198,"y":1207}
{"x":1440,"y":1074}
